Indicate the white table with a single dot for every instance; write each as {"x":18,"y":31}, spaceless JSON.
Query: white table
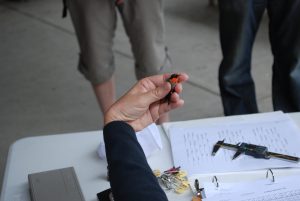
{"x":37,"y":154}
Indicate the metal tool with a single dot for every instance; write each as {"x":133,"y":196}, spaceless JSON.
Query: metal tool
{"x":200,"y":194}
{"x":256,"y":151}
{"x":173,"y":179}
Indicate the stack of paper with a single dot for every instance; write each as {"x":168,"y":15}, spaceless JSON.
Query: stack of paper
{"x":192,"y":145}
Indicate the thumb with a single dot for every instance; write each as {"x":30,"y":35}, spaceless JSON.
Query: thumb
{"x":157,"y":93}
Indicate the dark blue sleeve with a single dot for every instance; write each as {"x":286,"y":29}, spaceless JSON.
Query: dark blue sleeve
{"x":130,"y":176}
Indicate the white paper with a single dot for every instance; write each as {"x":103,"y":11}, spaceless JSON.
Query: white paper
{"x":149,"y":139}
{"x":283,"y":189}
{"x":192,"y":146}
{"x":238,"y":119}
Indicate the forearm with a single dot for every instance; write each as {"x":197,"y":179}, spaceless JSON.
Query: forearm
{"x":130,"y":176}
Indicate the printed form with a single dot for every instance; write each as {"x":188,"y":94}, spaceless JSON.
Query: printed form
{"x":192,"y":146}
{"x":284,"y":189}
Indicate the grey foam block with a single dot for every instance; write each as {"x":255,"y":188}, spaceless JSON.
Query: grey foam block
{"x":59,"y":185}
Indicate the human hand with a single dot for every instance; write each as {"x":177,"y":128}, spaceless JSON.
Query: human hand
{"x":144,"y":102}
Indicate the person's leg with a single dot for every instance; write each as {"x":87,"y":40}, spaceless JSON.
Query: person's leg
{"x":163,"y":118}
{"x":285,"y":41}
{"x":239,"y":21}
{"x":144,"y":24}
{"x":105,"y":94}
{"x":94,"y":23}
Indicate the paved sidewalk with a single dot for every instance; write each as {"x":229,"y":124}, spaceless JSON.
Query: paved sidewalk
{"x":42,"y":92}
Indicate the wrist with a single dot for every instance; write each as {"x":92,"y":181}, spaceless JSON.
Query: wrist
{"x":110,"y":116}
{"x":107,"y":119}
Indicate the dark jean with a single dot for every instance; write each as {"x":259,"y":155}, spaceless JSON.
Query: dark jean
{"x":239,"y":21}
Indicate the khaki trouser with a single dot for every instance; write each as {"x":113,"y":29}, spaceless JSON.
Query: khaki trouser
{"x":95,"y":23}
